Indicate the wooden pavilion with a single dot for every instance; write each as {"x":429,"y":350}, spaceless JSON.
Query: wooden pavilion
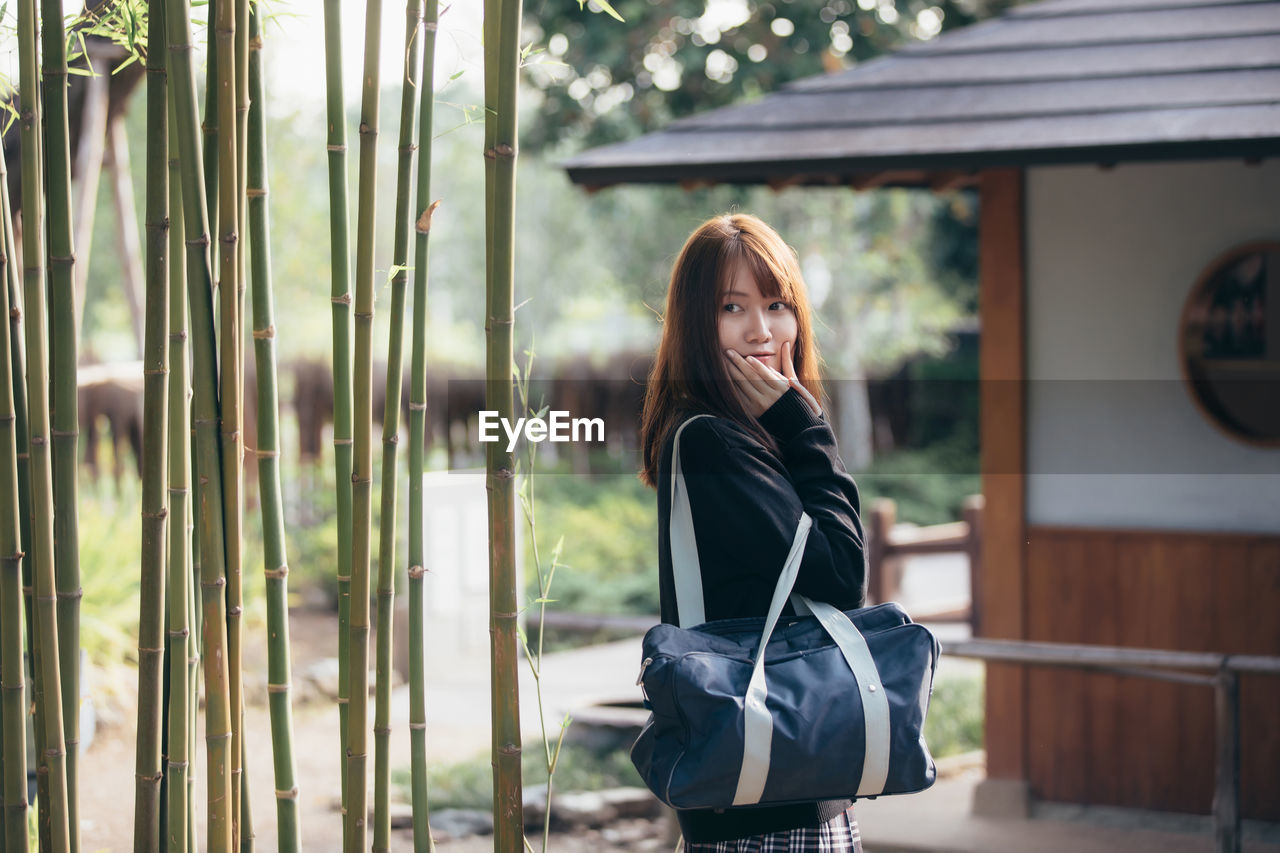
{"x":1120,"y":148}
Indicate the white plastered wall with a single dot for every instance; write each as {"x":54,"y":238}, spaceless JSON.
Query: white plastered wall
{"x":1113,"y":437}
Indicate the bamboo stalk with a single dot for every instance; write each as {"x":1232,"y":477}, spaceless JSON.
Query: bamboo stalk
{"x":13,"y":287}
{"x":18,"y":358}
{"x":208,"y":507}
{"x":244,"y":821}
{"x":340,"y":290}
{"x":162,"y":811}
{"x":422,"y":841}
{"x":246,"y":817}
{"x":389,"y":500}
{"x":149,"y":771}
{"x":44,"y":797}
{"x":195,"y":613}
{"x":12,"y":682}
{"x":209,"y":131}
{"x":235,"y":588}
{"x":44,"y":596}
{"x":231,"y":384}
{"x":276,"y":566}
{"x":179,"y":581}
{"x":362,"y":456}
{"x":182,"y":519}
{"x":63,"y":358}
{"x":501,"y":75}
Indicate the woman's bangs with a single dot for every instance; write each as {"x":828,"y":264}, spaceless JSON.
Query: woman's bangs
{"x":761,"y":269}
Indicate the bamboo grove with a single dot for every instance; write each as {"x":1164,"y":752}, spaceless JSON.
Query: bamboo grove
{"x":206,"y":253}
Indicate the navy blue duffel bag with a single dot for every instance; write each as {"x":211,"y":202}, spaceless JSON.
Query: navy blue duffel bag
{"x":766,"y":712}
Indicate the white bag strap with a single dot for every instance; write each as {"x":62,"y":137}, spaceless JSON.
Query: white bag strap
{"x":757,"y":723}
{"x":685,"y":569}
{"x":875,"y":702}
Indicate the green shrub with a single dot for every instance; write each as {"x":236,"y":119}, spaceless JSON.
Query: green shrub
{"x":954,"y":724}
{"x":469,"y":784}
{"x":110,"y":527}
{"x":929,"y":485}
{"x":609,"y":523}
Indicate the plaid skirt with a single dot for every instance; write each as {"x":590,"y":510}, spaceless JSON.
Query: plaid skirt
{"x":840,"y":834}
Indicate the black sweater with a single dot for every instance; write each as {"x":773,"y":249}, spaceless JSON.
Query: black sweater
{"x":746,"y":501}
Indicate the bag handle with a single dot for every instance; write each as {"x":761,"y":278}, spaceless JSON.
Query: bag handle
{"x":685,"y":569}
{"x":757,"y":732}
{"x":757,"y":722}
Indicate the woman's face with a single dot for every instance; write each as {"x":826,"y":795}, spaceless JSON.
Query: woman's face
{"x":753,"y":324}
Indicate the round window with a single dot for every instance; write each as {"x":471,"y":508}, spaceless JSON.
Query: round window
{"x":1229,"y":341}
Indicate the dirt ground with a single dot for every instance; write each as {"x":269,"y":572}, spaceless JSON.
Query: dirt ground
{"x":107,"y":778}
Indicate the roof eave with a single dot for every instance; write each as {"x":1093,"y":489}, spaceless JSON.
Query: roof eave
{"x":935,"y":170}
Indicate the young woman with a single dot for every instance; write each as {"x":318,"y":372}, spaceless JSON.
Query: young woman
{"x":738,"y":344}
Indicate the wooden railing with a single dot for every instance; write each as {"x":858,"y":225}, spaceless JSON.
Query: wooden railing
{"x":1162,"y":665}
{"x":887,"y":544}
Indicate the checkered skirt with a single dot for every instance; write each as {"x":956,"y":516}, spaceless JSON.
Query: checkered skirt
{"x":840,"y":834}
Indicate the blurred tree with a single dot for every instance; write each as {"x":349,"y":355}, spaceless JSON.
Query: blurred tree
{"x":677,"y":57}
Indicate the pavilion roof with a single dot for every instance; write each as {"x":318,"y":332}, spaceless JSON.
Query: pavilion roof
{"x":1053,"y":82}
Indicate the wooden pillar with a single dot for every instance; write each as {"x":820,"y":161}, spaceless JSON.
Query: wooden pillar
{"x":1002,"y":358}
{"x":880,"y":525}
{"x":972,"y":514}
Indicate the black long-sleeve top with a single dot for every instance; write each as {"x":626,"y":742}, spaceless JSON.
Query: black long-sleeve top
{"x":746,"y":502}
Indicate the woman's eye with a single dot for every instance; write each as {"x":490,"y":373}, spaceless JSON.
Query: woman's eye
{"x":780,"y":306}
{"x":731,"y":307}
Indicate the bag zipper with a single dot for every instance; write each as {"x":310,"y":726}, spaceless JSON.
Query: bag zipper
{"x":640,"y":678}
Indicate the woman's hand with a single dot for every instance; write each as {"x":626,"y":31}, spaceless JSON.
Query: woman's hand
{"x":760,"y":386}
{"x":789,"y":370}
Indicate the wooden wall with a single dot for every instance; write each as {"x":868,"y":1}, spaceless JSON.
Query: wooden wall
{"x":1134,"y":742}
{"x":1081,"y":737}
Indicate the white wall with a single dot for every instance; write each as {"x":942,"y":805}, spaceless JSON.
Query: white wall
{"x":1113,"y":437}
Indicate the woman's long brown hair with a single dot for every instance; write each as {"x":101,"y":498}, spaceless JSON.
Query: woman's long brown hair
{"x":689,"y":373}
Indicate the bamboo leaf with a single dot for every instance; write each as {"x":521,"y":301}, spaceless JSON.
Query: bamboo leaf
{"x":394,"y":270}
{"x":125,"y":64}
{"x":564,"y":727}
{"x":603,"y":4}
